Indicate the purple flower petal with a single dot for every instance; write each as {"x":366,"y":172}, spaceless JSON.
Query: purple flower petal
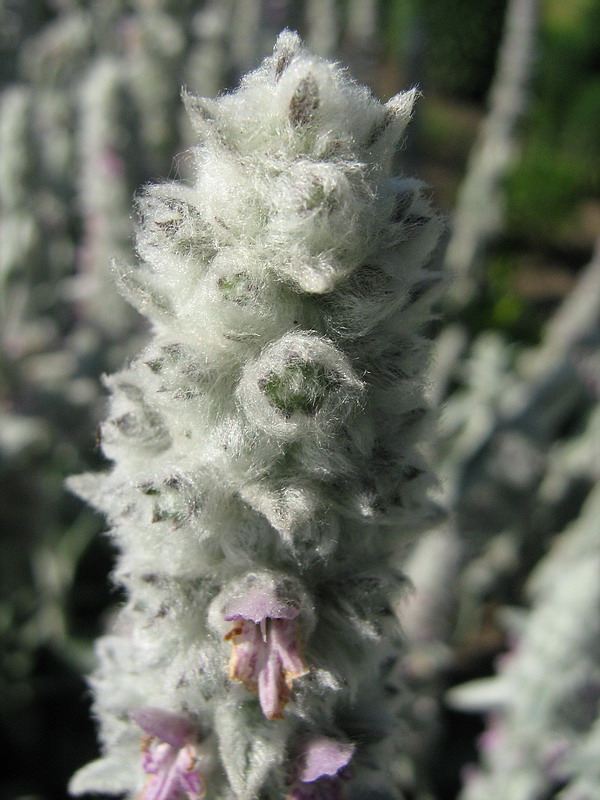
{"x":260,"y":604}
{"x":283,"y":640}
{"x":266,"y":659}
{"x":322,"y":770}
{"x":173,"y":773}
{"x":274,"y":687}
{"x":175,"y":729}
{"x":248,"y":651}
{"x":190,"y":778}
{"x":169,"y":756}
{"x":156,"y":758}
{"x":324,"y":756}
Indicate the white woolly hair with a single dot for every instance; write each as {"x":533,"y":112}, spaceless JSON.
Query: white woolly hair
{"x":268,"y":435}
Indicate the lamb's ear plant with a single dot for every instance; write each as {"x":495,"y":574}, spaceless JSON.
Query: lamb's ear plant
{"x":544,"y":719}
{"x":266,"y":450}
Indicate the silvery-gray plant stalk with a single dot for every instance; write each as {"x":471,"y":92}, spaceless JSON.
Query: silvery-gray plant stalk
{"x":265,"y":450}
{"x":544,"y":710}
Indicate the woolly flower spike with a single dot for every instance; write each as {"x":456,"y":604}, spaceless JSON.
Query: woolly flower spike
{"x":322,"y":770}
{"x":265,"y":445}
{"x":266,"y":652}
{"x":169,"y":756}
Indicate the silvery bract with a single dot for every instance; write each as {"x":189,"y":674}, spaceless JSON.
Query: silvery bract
{"x":266,"y":450}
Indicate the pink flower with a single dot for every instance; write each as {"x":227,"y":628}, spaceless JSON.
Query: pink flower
{"x":321,"y":770}
{"x":266,"y":655}
{"x":169,"y":756}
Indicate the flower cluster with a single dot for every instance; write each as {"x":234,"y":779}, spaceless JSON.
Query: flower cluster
{"x":170,"y":755}
{"x":266,"y":449}
{"x":266,"y":652}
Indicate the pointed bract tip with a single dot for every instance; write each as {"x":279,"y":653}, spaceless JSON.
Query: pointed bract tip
{"x":401,"y":105}
{"x":200,"y":110}
{"x":289,"y":41}
{"x":287,"y":46}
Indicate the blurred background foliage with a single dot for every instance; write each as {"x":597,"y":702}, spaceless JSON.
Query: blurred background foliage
{"x":89,"y":111}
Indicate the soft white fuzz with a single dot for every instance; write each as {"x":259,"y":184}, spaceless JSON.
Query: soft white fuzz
{"x":266,"y":442}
